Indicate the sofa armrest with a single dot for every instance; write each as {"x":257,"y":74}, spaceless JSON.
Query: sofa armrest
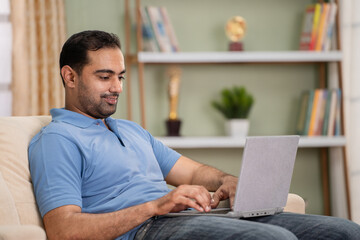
{"x":294,"y":204}
{"x":15,"y":232}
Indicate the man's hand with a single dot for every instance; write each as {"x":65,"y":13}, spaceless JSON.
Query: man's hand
{"x":183,"y":197}
{"x":225,"y":191}
{"x":187,"y":171}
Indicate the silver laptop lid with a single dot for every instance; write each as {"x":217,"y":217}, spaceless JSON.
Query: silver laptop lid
{"x":266,"y":172}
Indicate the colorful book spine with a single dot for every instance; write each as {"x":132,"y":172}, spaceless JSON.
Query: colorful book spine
{"x":315,"y":27}
{"x":320,"y":112}
{"x":330,"y":27}
{"x":338,"y":114}
{"x":305,"y":37}
{"x":314,"y":112}
{"x":318,"y":27}
{"x":322,"y":109}
{"x":322,"y":27}
{"x":327,"y":113}
{"x":149,"y":41}
{"x":169,"y":29}
{"x":159,"y":28}
{"x":308,"y":112}
{"x":303,"y":113}
{"x":332,"y":113}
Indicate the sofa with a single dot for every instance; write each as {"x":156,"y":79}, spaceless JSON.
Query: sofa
{"x":19,"y":215}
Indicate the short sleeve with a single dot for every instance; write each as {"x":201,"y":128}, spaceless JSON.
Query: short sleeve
{"x":56,"y":167}
{"x":165,"y":156}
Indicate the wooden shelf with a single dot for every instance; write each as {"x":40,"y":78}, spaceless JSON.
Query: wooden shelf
{"x":240,"y":57}
{"x":233,"y":142}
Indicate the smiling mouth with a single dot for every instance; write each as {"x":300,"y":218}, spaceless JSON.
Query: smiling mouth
{"x":111,"y":99}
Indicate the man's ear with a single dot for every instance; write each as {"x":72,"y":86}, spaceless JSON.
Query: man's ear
{"x":69,"y":76}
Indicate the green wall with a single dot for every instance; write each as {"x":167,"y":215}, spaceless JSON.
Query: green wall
{"x":272,"y":26}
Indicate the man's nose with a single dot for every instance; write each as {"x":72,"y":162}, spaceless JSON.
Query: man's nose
{"x":116,"y":86}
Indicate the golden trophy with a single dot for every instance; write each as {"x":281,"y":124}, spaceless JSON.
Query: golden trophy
{"x":173,"y":123}
{"x":235,"y":30}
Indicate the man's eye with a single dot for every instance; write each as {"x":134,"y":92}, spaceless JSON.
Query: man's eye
{"x":104,"y":77}
{"x":121,"y":78}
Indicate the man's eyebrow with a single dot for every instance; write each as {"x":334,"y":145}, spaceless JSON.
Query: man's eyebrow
{"x":108,"y":71}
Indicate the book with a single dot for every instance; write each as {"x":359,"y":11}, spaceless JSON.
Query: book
{"x":304,"y":102}
{"x":318,"y":29}
{"x":321,"y":116}
{"x":338,"y":114}
{"x":327,"y":114}
{"x":305,"y":37}
{"x":332,"y":113}
{"x":169,"y":29}
{"x":314,"y":112}
{"x":320,"y":113}
{"x":308,"y":112}
{"x":315,"y":26}
{"x":149,"y":41}
{"x":322,"y":27}
{"x":330,"y":26}
{"x":159,"y":29}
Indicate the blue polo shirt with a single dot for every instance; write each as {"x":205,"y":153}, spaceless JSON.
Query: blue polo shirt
{"x":77,"y":160}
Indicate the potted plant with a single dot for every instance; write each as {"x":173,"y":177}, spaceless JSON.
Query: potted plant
{"x":235,"y":104}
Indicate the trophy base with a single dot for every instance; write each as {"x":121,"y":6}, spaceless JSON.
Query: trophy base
{"x":236,"y":46}
{"x":173,"y":127}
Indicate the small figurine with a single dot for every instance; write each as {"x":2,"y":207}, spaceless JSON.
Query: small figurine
{"x":173,"y":123}
{"x":235,"y":30}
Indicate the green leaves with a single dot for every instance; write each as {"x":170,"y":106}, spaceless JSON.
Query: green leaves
{"x":235,"y":103}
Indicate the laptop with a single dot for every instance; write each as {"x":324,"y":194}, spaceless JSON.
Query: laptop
{"x":264,"y":179}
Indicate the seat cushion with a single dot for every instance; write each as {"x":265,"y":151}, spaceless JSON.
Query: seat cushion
{"x":15,"y":135}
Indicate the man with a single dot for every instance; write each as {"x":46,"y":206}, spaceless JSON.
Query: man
{"x":99,"y":178}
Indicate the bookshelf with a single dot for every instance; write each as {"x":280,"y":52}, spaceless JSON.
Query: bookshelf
{"x":320,"y":59}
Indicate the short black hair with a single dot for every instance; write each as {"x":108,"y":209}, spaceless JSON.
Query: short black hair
{"x":74,"y":50}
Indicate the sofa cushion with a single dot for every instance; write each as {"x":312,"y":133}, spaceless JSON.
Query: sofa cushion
{"x":15,"y":135}
{"x":8,"y":212}
{"x":16,"y":232}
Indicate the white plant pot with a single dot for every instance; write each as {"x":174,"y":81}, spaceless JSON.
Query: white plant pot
{"x":237,"y":127}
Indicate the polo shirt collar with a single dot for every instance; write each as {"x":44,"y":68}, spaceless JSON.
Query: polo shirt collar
{"x":73,"y":118}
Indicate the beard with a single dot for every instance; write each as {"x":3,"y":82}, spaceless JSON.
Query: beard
{"x":93,"y":105}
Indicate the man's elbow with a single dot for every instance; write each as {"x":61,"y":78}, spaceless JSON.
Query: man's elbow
{"x":60,"y":223}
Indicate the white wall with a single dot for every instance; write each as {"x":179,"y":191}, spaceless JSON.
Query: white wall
{"x":5,"y":58}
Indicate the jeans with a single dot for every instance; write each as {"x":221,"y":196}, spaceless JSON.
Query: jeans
{"x":280,"y":226}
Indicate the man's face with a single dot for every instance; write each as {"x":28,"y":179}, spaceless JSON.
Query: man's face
{"x":100,"y":83}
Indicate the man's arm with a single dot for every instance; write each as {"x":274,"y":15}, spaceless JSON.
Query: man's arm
{"x":187,"y":171}
{"x":68,"y":222}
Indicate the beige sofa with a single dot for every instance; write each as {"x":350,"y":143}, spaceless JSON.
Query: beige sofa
{"x":19,"y":215}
